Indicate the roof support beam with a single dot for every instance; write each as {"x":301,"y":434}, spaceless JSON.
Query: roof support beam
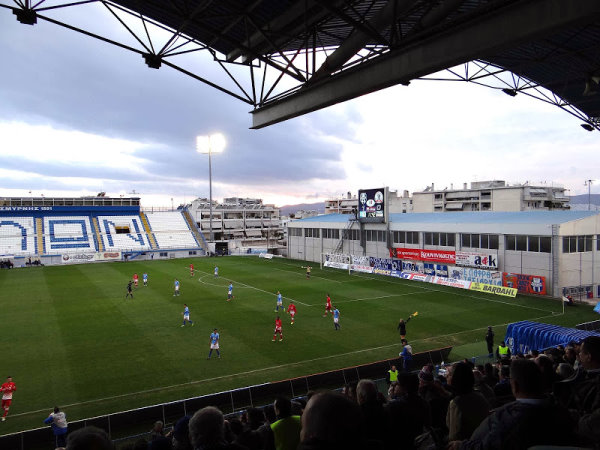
{"x":507,"y":26}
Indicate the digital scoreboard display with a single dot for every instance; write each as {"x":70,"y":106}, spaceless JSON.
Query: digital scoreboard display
{"x":371,"y":205}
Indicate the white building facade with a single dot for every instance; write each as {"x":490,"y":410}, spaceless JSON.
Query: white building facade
{"x":539,"y":252}
{"x":240,"y":223}
{"x":491,"y":196}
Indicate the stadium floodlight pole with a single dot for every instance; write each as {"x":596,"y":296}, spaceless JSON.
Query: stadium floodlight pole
{"x":214,"y":143}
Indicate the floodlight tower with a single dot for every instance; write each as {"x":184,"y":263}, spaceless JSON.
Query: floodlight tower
{"x":214,"y":143}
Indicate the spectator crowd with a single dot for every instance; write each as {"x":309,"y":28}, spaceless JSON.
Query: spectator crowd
{"x":521,"y":401}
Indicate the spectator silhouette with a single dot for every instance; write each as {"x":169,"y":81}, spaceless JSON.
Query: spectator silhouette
{"x":409,"y":414}
{"x":530,"y":420}
{"x":207,"y":431}
{"x":374,"y":416}
{"x":436,"y":397}
{"x":332,"y":421}
{"x":468,"y":409}
{"x":89,"y":438}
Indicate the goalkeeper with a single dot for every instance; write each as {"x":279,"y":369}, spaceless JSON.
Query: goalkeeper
{"x":402,"y":325}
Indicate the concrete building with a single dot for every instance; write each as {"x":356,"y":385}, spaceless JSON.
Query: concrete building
{"x":493,"y":195}
{"x":556,"y":250}
{"x":239,"y":223}
{"x":349,"y":203}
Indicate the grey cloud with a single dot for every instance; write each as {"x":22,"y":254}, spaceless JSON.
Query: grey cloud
{"x":53,"y":76}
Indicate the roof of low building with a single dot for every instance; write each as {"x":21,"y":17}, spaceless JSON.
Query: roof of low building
{"x":475,"y":217}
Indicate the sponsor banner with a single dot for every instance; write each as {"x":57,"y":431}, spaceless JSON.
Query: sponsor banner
{"x":498,"y":290}
{"x":108,"y":256}
{"x":361,"y":268}
{"x":421,"y":277}
{"x":361,"y":260}
{"x":526,"y":284}
{"x":266,"y":255}
{"x":336,"y":265}
{"x":482,"y":260}
{"x":338,"y":257}
{"x":442,"y":256}
{"x":476,"y":275}
{"x":461,"y":284}
{"x":415,"y":267}
{"x":385,"y":263}
{"x":78,"y":258}
{"x":387,"y":272}
{"x":439,"y":270}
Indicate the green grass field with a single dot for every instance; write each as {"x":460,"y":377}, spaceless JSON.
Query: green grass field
{"x":70,"y":338}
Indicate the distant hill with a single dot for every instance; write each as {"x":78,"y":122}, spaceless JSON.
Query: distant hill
{"x":582,"y":199}
{"x":291,"y":209}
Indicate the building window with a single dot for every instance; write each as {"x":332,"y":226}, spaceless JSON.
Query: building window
{"x":537,"y":244}
{"x":192,"y":252}
{"x":521,"y":243}
{"x":329,"y":233}
{"x":406,"y":237}
{"x":312,"y":232}
{"x":575,"y":244}
{"x":295,"y":231}
{"x":545,"y":244}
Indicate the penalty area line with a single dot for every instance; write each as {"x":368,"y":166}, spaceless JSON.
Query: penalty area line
{"x":239,"y":283}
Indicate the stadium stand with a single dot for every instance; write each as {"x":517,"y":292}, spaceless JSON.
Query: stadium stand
{"x":17,"y":236}
{"x":171,"y":230}
{"x":51,"y":234}
{"x":123,"y":233}
{"x":68,"y":234}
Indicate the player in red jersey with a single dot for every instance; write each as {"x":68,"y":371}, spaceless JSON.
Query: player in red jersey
{"x":278,"y":328}
{"x":328,"y":307}
{"x":7,"y":390}
{"x":292,"y":311}
{"x":135,"y":279}
{"x":191,"y":270}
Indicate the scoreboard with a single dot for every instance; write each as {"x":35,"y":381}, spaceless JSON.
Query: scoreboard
{"x":372,"y":205}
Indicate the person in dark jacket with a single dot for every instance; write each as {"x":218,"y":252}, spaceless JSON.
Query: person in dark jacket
{"x":489,"y":340}
{"x":532,"y":419}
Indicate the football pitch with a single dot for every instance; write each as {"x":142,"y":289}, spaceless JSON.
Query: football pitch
{"x":70,"y":338}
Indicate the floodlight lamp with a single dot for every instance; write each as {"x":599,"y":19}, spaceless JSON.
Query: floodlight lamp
{"x":587,"y":127}
{"x":510,"y":92}
{"x":215,"y":143}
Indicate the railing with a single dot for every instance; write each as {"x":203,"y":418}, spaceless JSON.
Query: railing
{"x":127,"y":423}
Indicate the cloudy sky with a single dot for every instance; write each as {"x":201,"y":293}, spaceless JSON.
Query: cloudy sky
{"x":79,"y":116}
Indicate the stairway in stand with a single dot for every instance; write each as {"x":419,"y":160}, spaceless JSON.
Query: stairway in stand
{"x":39,"y":226}
{"x":149,"y":233}
{"x":99,"y":242}
{"x":194,"y":228}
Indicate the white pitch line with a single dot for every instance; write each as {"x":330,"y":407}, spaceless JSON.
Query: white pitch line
{"x":427,"y":288}
{"x":376,"y":298}
{"x":311,"y":275}
{"x":249,"y":372}
{"x":248,"y":286}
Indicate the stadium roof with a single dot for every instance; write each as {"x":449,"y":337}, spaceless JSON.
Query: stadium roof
{"x":482,"y":217}
{"x":303,"y":55}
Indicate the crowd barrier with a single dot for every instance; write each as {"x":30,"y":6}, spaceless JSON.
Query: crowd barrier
{"x":127,"y":423}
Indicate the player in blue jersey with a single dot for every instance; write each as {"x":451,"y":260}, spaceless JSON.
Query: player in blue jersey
{"x":145,"y":278}
{"x":279,"y":302}
{"x":186,"y":315}
{"x":216,"y":272}
{"x":230,"y":292}
{"x":336,"y":318}
{"x":176,"y":284}
{"x":214,"y":343}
